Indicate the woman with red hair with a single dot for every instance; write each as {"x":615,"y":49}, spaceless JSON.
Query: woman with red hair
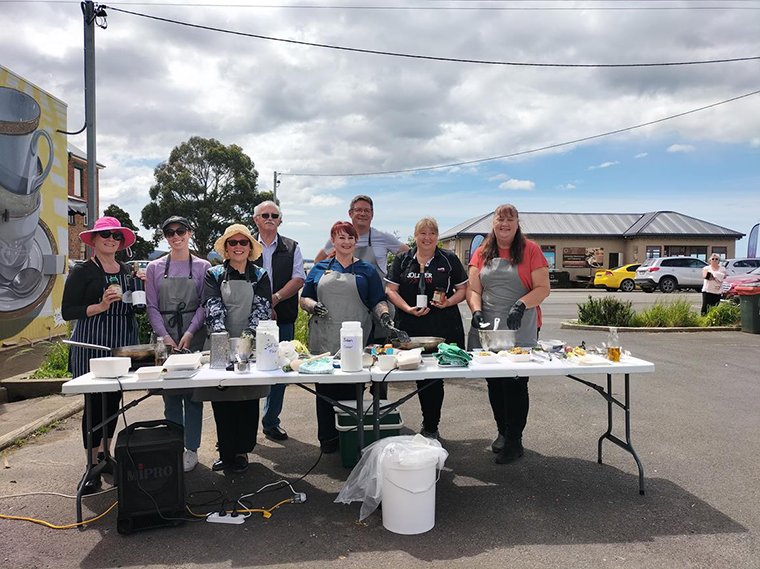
{"x":340,"y":289}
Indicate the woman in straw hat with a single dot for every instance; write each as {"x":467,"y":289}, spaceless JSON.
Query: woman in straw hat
{"x":237,"y":295}
{"x":92,"y":297}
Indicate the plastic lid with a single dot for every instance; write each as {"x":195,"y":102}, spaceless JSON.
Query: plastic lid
{"x":268,"y":323}
{"x":351,"y":324}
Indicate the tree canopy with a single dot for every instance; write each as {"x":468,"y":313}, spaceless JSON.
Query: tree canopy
{"x":141,"y":248}
{"x":210,"y":184}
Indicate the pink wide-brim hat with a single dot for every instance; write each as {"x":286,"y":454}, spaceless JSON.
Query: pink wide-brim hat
{"x":106,"y":223}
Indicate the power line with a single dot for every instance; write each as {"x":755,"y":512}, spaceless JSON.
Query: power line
{"x":432,"y":57}
{"x":524,"y":152}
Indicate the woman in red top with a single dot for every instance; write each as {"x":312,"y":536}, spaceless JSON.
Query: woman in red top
{"x":509,"y":278}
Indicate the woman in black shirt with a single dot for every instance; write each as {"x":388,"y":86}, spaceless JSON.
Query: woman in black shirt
{"x":439,"y":275}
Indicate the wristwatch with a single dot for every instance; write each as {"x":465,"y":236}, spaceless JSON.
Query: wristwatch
{"x":277,"y":296}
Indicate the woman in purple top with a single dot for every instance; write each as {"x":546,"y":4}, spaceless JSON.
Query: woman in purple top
{"x":174,"y":289}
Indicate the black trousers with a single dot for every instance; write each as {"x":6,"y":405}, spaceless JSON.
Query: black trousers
{"x":96,"y":414}
{"x":237,"y":423}
{"x":709,"y":299}
{"x":509,"y":402}
{"x":431,"y":401}
{"x":326,"y":430}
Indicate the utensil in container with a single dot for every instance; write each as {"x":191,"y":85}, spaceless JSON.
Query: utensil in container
{"x":496,"y":340}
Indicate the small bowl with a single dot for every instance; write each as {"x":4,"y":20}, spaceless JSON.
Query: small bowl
{"x":553,"y":346}
{"x":496,"y":340}
{"x":386,"y":362}
{"x":110,"y":367}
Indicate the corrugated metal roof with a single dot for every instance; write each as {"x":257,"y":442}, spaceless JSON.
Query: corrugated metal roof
{"x":600,"y":224}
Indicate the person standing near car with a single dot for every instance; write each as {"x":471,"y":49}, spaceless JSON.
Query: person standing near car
{"x":173,"y":290}
{"x":712,"y":275}
{"x":509,"y":279}
{"x":281,"y":258}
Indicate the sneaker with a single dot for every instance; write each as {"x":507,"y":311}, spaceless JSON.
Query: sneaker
{"x":220,"y":465}
{"x":429,"y":434}
{"x":512,"y":451}
{"x":276,"y":434}
{"x":189,"y":460}
{"x":240,"y":463}
{"x":498,"y":444}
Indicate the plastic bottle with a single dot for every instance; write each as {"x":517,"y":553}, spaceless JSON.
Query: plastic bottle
{"x":351,"y":346}
{"x":613,"y":345}
{"x":267,"y":342}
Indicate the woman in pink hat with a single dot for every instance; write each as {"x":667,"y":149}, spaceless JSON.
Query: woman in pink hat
{"x":92,"y":297}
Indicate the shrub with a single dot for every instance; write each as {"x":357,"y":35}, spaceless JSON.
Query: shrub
{"x":302,"y":327}
{"x":679,"y":313}
{"x":56,"y":363}
{"x":724,"y":314}
{"x":605,"y":311}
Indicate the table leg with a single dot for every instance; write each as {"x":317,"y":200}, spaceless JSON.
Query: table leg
{"x":359,"y":419}
{"x":88,"y":438}
{"x":376,"y":413}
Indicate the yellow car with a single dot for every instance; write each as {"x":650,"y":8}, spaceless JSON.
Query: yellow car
{"x":620,"y":278}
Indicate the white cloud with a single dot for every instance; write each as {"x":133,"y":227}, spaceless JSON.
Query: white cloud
{"x":566,"y":187}
{"x":641,"y":155}
{"x":755,"y":142}
{"x":498,"y":177}
{"x":681,"y":148}
{"x":513,"y":184}
{"x":604,"y":165}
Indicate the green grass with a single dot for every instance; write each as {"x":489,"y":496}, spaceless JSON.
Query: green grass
{"x":605,"y":311}
{"x":302,"y":327}
{"x":609,"y":311}
{"x":55,"y":364}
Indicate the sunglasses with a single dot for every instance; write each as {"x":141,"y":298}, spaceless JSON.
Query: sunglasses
{"x":241,"y":242}
{"x":172,"y":232}
{"x":715,"y":258}
{"x":268,"y":215}
{"x":116,"y":235}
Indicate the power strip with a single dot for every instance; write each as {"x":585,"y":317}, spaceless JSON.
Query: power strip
{"x":215,"y":518}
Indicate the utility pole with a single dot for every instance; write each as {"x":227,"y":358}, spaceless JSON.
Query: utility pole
{"x":275,"y":183}
{"x":89,"y":13}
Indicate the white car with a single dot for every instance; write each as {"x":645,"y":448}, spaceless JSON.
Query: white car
{"x":740,"y":266}
{"x":670,"y":274}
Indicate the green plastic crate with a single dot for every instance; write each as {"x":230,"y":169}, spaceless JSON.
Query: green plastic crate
{"x":390,"y":426}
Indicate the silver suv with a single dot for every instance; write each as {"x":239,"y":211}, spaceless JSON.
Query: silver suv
{"x":670,"y":273}
{"x":740,"y":266}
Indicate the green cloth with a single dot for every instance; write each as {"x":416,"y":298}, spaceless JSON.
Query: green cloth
{"x":452,"y":355}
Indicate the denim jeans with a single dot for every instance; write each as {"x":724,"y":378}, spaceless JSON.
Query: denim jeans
{"x":273,"y":403}
{"x":181,"y":409}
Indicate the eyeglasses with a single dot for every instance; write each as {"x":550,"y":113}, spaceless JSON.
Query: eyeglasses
{"x":106,"y":233}
{"x":235,"y":242}
{"x":715,"y":258}
{"x":172,"y":232}
{"x":361,"y":210}
{"x":268,"y":215}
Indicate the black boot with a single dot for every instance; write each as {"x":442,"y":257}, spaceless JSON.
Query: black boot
{"x":512,"y":451}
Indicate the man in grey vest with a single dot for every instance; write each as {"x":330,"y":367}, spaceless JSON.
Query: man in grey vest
{"x":283,"y":262}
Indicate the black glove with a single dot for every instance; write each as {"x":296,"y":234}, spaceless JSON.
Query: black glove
{"x":320,"y":310}
{"x":514,"y":318}
{"x":385,"y":320}
{"x":477,"y":319}
{"x":248,"y":333}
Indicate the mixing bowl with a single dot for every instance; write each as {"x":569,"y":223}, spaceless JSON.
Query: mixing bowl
{"x":496,"y":340}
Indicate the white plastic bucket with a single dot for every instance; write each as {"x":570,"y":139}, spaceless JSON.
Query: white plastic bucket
{"x":409,"y":496}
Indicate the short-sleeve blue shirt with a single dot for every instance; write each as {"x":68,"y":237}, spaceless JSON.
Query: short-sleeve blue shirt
{"x":368,"y":281}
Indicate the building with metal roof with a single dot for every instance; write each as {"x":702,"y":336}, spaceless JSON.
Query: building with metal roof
{"x":580,"y":243}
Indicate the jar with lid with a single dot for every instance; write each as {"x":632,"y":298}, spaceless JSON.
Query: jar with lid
{"x":613,"y":345}
{"x":160,"y":350}
{"x":351,"y":339}
{"x":113,"y":284}
{"x":267,"y":342}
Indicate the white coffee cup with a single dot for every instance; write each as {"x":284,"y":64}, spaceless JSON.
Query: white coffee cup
{"x":21,"y":170}
{"x":422,"y":301}
{"x":386,"y":362}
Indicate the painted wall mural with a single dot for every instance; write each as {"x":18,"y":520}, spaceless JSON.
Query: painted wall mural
{"x":33,"y":210}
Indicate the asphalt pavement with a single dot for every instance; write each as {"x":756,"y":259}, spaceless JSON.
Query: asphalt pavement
{"x":694,"y":425}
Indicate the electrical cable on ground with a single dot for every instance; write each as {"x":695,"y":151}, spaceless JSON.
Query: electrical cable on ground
{"x":54,"y":526}
{"x":429,"y":57}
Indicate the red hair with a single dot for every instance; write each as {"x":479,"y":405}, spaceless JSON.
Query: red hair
{"x":343,"y":227}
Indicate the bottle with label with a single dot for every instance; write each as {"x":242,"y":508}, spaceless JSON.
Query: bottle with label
{"x":351,"y":340}
{"x":113,"y":283}
{"x":160,"y":351}
{"x":267,"y":342}
{"x":138,"y":292}
{"x":613,"y":345}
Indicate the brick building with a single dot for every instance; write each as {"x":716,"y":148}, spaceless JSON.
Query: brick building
{"x":77,"y":190}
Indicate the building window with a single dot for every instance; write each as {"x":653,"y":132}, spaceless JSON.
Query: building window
{"x":78,"y":181}
{"x":551,"y":255}
{"x":722,"y":252}
{"x":698,"y":251}
{"x":653,"y":251}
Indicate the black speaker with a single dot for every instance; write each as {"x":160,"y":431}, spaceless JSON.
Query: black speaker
{"x":149,"y":475}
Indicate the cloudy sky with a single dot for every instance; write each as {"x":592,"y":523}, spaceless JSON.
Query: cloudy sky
{"x":297,"y":109}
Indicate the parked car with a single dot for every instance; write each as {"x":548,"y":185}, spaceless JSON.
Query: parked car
{"x":670,"y":274}
{"x":619,"y":278}
{"x":740,"y":266}
{"x":727,"y":289}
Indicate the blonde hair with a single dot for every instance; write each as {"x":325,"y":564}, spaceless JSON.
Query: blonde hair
{"x":426,"y":223}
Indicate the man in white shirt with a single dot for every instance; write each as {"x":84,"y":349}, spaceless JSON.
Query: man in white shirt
{"x":283,"y":262}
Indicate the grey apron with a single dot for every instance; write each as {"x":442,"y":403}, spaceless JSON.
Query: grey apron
{"x":338,"y":292}
{"x":367,"y":253}
{"x":502,"y":287}
{"x":238,"y":300}
{"x":177,"y":301}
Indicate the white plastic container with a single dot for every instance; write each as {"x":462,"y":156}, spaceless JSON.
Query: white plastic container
{"x":409,"y":496}
{"x":351,"y":348}
{"x":267,"y":342}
